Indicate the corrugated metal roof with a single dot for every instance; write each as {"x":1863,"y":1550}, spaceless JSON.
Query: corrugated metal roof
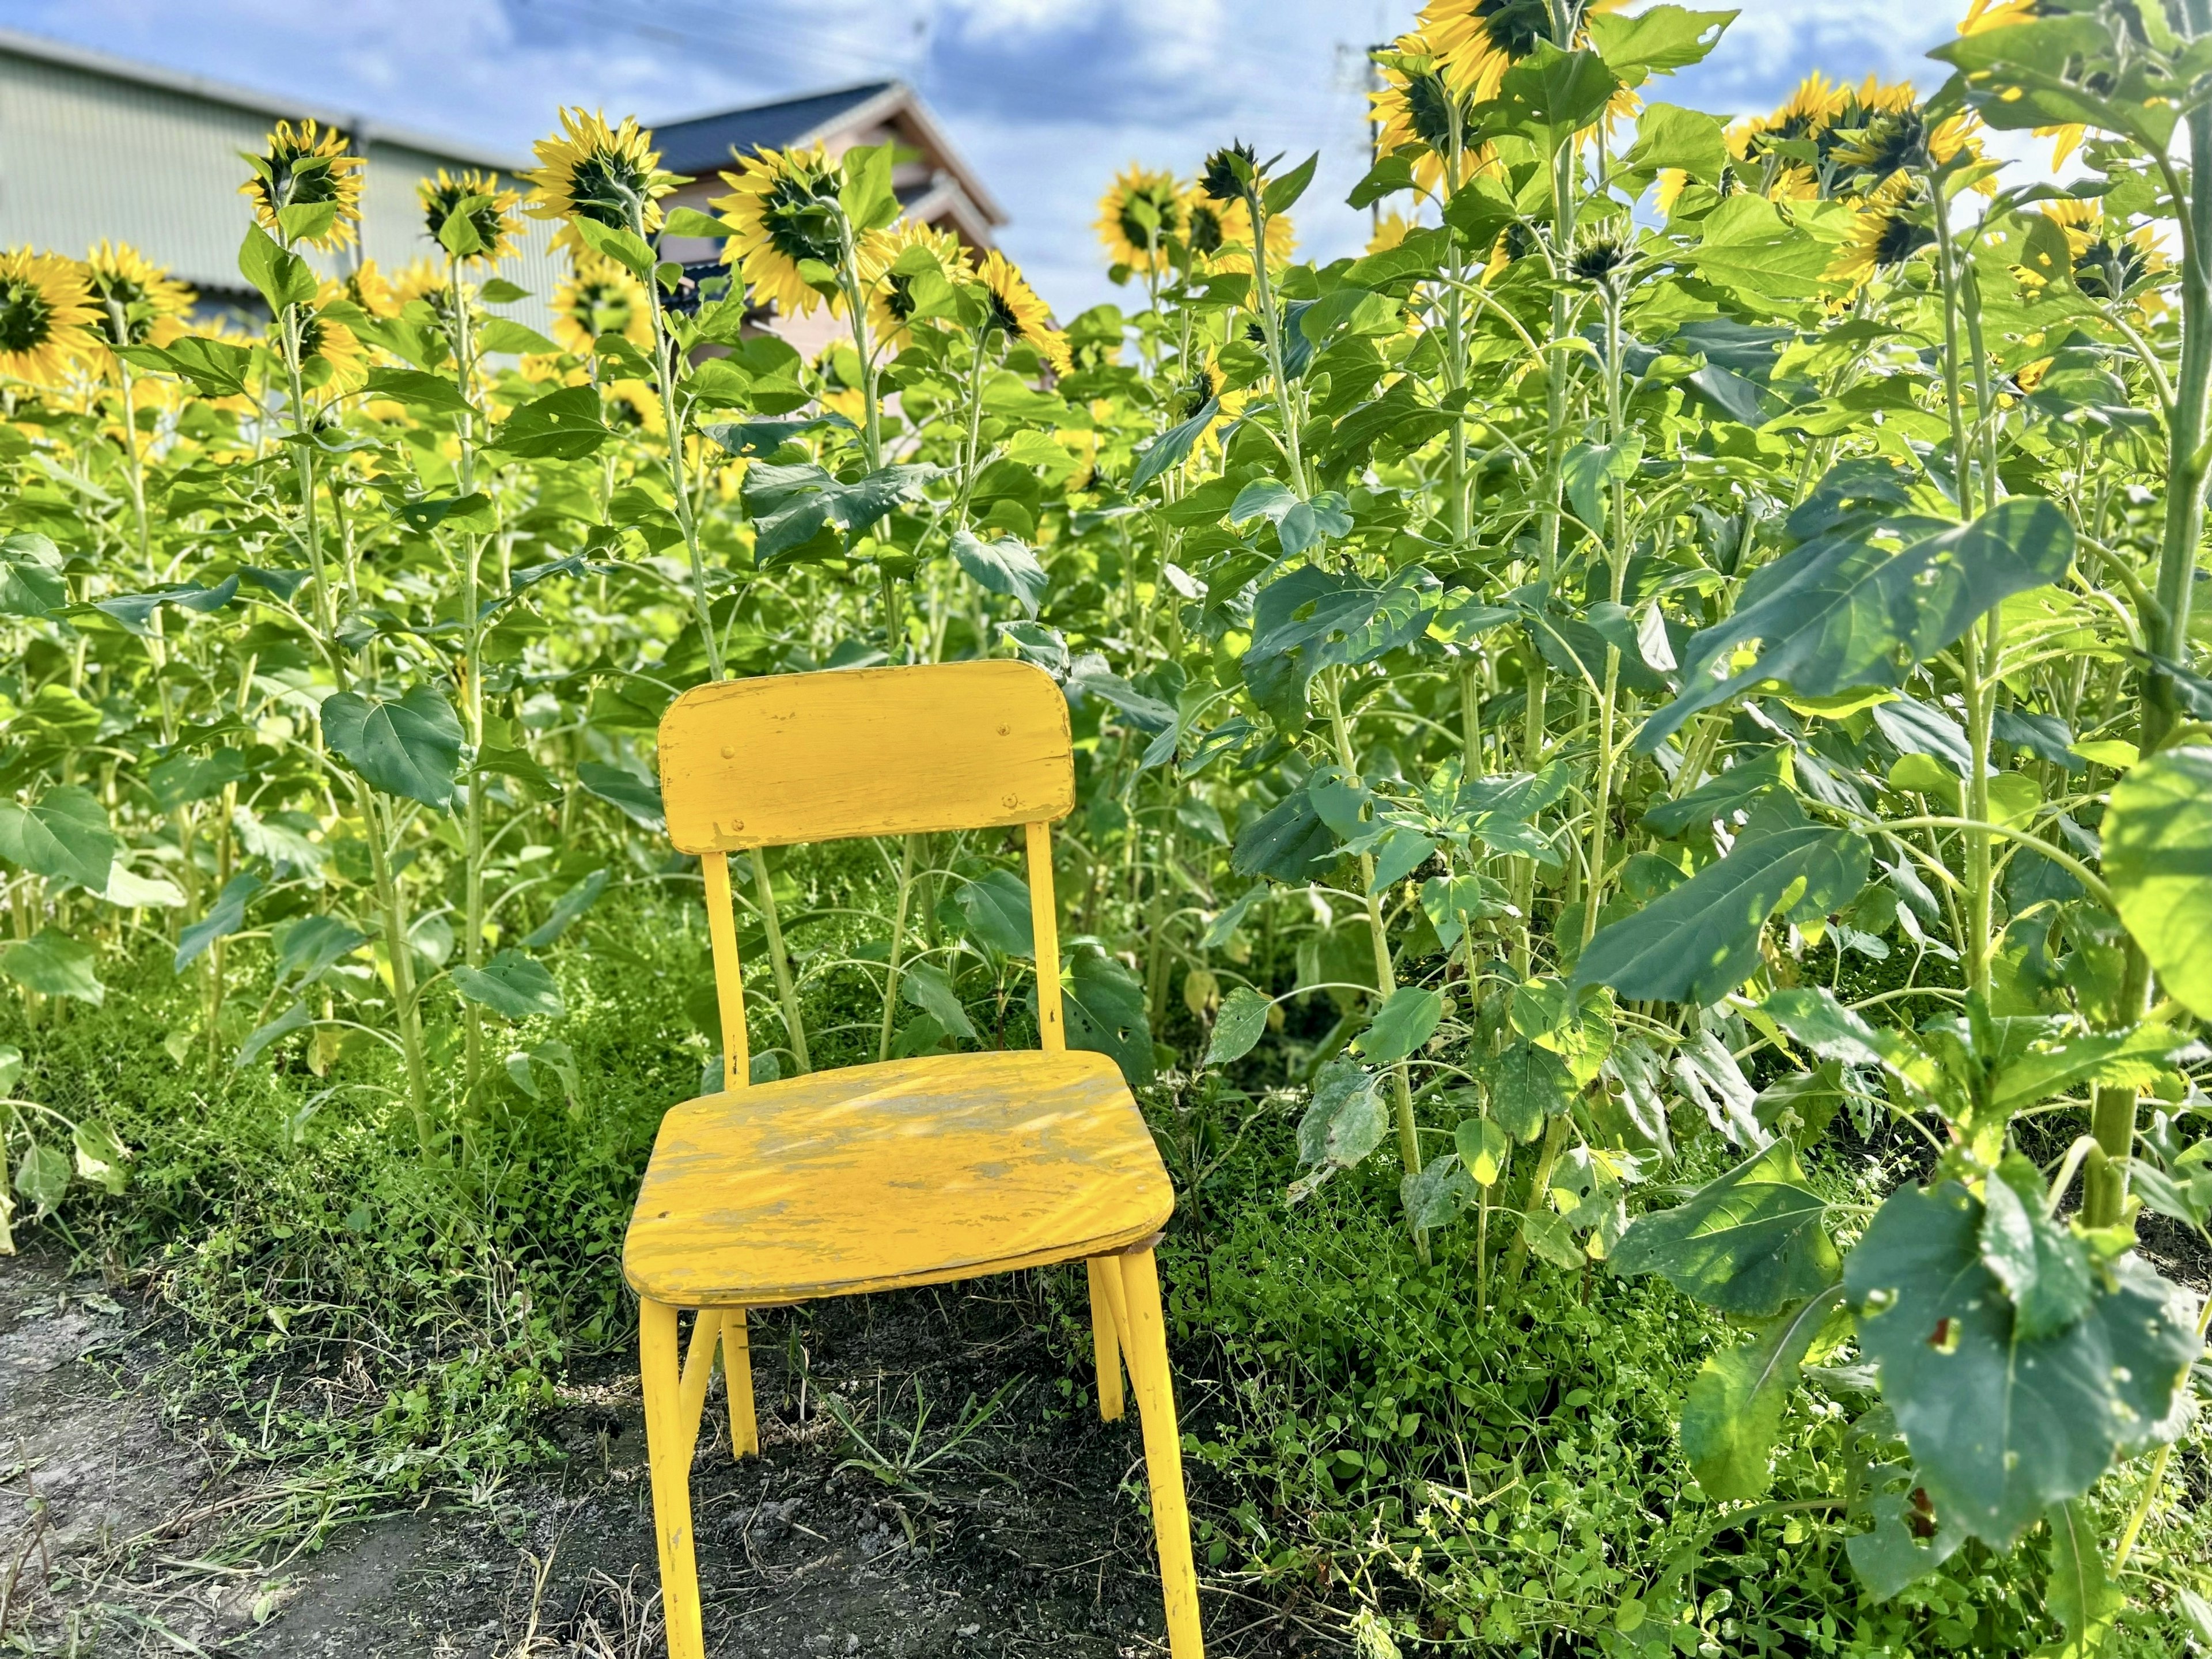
{"x":701,"y":144}
{"x":91,"y":146}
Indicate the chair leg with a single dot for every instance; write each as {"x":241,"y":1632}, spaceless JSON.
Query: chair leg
{"x":737,"y":1379}
{"x":1148,"y":1370}
{"x":1105,"y":1280}
{"x":669,"y":1441}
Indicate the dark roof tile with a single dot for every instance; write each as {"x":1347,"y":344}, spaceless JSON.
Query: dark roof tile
{"x":700,"y":146}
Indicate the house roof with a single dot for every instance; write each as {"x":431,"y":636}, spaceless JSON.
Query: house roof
{"x":702,"y":144}
{"x":362,"y":130}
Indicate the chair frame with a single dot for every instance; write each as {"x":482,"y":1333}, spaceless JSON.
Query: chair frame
{"x":1126,"y":1314}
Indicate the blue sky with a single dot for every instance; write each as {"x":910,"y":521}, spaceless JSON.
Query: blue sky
{"x":1047,"y":98}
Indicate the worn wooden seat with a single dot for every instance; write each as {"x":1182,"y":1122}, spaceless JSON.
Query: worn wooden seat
{"x":910,"y":1172}
{"x":913,"y":1172}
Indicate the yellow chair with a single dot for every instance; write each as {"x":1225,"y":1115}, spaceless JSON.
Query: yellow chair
{"x":912,"y":1172}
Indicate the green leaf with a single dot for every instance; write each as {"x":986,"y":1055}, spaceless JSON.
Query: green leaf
{"x":690,"y":221}
{"x":1669,"y":135}
{"x":183,"y":779}
{"x":639,"y":797}
{"x":2078,"y":1594}
{"x":1345,"y":1122}
{"x":31,"y":579}
{"x":1561,"y":91}
{"x":1657,"y":39}
{"x":564,"y":425}
{"x":1282,"y":194}
{"x":1104,"y":1004}
{"x":1861,"y":606}
{"x":100,"y":1154}
{"x":922,"y":985}
{"x":63,"y":836}
{"x":283,"y":277}
{"x":261,"y":1036}
{"x":1239,"y":1025}
{"x":504,"y":334}
{"x":412,"y":386}
{"x":510,"y":984}
{"x":2158,"y":862}
{"x":997,"y":910}
{"x":411,"y":747}
{"x":1528,"y":1085}
{"x":1438,"y":1195}
{"x":569,"y":906}
{"x":1402,"y":1025}
{"x":2001,"y":1426}
{"x":865,"y":190}
{"x":53,"y":964}
{"x":1005,"y":566}
{"x":1732,"y":1415}
{"x":42,"y":1176}
{"x":226,"y":917}
{"x":1700,"y":940}
{"x":1812,"y":1015}
{"x":1722,"y":796}
{"x":1173,"y":446}
{"x":1905,"y":1543}
{"x":2042,"y":1266}
{"x":790,"y":505}
{"x":622,"y":245}
{"x":310,"y":946}
{"x":1288,"y":842}
{"x":1483,"y":1148}
{"x":1750,"y":1243}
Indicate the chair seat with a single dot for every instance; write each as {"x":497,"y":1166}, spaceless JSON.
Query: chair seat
{"x":910,"y":1172}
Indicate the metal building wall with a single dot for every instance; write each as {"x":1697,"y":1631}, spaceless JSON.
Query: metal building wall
{"x":86,"y":155}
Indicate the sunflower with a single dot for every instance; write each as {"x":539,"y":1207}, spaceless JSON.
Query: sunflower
{"x":1221,"y":234}
{"x":599,"y":297}
{"x":782,"y":211}
{"x":1887,"y":233}
{"x":367,"y":287}
{"x":1983,"y":15}
{"x":418,"y":279}
{"x":330,"y":354}
{"x":306,"y":166}
{"x":634,"y":404}
{"x":1418,"y":106}
{"x":2109,"y":267}
{"x":1016,"y":309}
{"x":611,"y":176}
{"x":1808,"y":115}
{"x":138,"y":302}
{"x":891,"y":300}
{"x":47,"y":315}
{"x":1390,"y":229}
{"x":489,"y":205}
{"x":1894,"y":136}
{"x":1476,"y":41}
{"x":1140,"y":218}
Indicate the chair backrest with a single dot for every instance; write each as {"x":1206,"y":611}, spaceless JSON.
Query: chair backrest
{"x":867,"y":752}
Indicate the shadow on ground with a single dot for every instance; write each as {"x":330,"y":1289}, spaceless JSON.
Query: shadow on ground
{"x":1008,"y":1522}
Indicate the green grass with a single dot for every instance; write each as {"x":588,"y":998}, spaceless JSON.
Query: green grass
{"x":374,"y":1325}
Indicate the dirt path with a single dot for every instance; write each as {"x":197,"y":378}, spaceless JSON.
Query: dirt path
{"x":1009,"y":1528}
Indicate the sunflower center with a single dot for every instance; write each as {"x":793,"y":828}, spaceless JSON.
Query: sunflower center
{"x":1430,"y":108}
{"x":1200,"y":392}
{"x":1898,"y":240}
{"x":1206,"y":235}
{"x":1514,"y":26}
{"x":605,"y":186}
{"x":797,"y":224}
{"x":26,"y":317}
{"x":1135,"y":231}
{"x":1003,"y":315}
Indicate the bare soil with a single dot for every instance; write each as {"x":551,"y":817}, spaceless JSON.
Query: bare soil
{"x":1022,"y":1534}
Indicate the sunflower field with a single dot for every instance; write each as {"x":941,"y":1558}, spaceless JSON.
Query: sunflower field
{"x":1645,"y":825}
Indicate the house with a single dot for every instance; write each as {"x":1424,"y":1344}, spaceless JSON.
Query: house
{"x":935,"y":186}
{"x":93,"y":146}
